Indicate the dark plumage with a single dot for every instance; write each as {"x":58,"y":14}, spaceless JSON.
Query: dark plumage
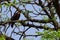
{"x":40,"y":2}
{"x":15,"y":17}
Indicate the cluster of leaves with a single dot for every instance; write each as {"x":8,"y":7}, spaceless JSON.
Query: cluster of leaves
{"x":49,"y":34}
{"x":9,"y":4}
{"x":14,"y":2}
{"x":2,"y":37}
{"x":26,"y":0}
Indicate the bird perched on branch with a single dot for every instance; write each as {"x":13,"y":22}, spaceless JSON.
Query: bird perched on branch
{"x":15,"y":17}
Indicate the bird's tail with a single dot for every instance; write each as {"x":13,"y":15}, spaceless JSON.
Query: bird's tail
{"x":12,"y":24}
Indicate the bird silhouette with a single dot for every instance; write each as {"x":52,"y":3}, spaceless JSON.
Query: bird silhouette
{"x":15,"y":17}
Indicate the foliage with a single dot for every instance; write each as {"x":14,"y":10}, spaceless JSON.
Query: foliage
{"x":49,"y":34}
{"x":2,"y":37}
{"x":26,"y":0}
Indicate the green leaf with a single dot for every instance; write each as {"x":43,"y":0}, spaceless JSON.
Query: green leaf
{"x":26,"y":0}
{"x":14,"y":1}
{"x":0,"y":5}
{"x":2,"y":37}
{"x":45,"y":18}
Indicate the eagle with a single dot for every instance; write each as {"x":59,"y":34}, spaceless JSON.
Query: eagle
{"x":16,"y":16}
